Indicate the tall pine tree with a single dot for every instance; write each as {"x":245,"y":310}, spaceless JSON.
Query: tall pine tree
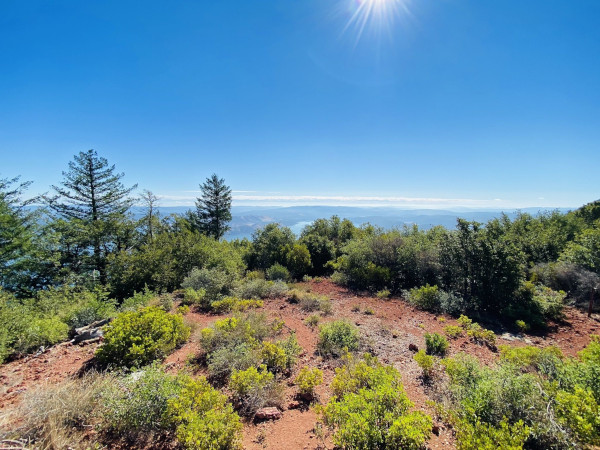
{"x":92,"y":197}
{"x":213,"y":208}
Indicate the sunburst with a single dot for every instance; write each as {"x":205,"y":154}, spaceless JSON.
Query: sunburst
{"x":377,"y":15}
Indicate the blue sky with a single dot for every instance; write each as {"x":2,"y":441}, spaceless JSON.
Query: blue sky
{"x":439,"y":103}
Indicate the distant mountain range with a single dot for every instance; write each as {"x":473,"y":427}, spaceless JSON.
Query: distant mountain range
{"x":246,"y":219}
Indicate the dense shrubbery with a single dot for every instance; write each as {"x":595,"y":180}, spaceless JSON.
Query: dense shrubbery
{"x":337,"y":338}
{"x":203,"y":418}
{"x":370,"y":409}
{"x":244,"y":341}
{"x":125,"y":406}
{"x":137,"y":338}
{"x":534,"y":397}
{"x":255,"y":388}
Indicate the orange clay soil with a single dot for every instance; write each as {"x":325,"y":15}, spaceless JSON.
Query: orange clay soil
{"x":389,"y":332}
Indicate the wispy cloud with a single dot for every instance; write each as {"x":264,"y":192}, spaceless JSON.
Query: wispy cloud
{"x":248,"y":198}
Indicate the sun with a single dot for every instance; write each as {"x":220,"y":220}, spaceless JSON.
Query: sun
{"x":375,"y":15}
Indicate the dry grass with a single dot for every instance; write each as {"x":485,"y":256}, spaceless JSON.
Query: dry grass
{"x":57,"y":415}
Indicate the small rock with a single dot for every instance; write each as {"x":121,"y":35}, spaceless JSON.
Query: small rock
{"x":413,"y":348}
{"x":270,"y":413}
{"x":435,"y":430}
{"x":294,"y":405}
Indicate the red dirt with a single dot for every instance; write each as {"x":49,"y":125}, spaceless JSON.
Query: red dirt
{"x":389,"y":332}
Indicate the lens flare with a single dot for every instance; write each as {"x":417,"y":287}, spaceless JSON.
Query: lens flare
{"x":378,"y":16}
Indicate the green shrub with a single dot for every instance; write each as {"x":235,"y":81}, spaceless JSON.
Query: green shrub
{"x":464,"y":321}
{"x":193,"y":297}
{"x":453,"y":332}
{"x":137,"y":300}
{"x":425,"y":297}
{"x":336,"y":338}
{"x":370,"y":409}
{"x":260,"y":289}
{"x":436,"y":344}
{"x":278,"y":272}
{"x":251,"y":328}
{"x":579,"y":412}
{"x":215,"y":282}
{"x":383,"y":294}
{"x":309,"y":302}
{"x":40,"y":332}
{"x":425,"y":362}
{"x":313,"y":320}
{"x":228,"y":304}
{"x":137,"y":338}
{"x":138,"y":402}
{"x":225,"y":360}
{"x":203,"y":418}
{"x":369,"y":312}
{"x":521,"y":326}
{"x":307,"y":380}
{"x":254,"y":388}
{"x":235,"y":343}
{"x":481,"y":335}
{"x":482,"y":436}
{"x":183,"y":309}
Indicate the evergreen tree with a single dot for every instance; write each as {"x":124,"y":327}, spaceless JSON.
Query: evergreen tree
{"x":15,"y":230}
{"x":92,"y":198}
{"x":213,"y":209}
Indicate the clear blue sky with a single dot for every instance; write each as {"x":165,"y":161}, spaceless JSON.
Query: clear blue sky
{"x":454,"y":102}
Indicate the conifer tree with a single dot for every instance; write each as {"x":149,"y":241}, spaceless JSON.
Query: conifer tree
{"x":93,"y":197}
{"x":213,"y":208}
{"x":16,"y":224}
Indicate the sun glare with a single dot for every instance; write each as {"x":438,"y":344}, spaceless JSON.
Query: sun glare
{"x":378,"y":16}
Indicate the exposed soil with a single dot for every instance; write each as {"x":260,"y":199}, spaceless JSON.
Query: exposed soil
{"x":388,"y":333}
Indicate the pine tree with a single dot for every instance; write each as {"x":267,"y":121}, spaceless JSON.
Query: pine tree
{"x":16,"y":234}
{"x":213,"y":209}
{"x":92,"y":195}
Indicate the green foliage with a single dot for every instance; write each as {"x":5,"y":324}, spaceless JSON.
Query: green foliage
{"x":436,"y":344}
{"x":168,"y":259}
{"x":310,"y":302}
{"x":137,"y":300}
{"x":453,"y":332}
{"x":370,"y":409}
{"x":213,"y":208}
{"x":138,"y":402}
{"x":426,"y":363}
{"x":337,"y":337}
{"x":92,"y":196}
{"x":298,"y":260}
{"x":193,"y":297}
{"x":203,"y":418}
{"x":552,"y":402}
{"x":137,"y":338}
{"x":426,"y":298}
{"x":254,"y":388}
{"x":260,"y":289}
{"x":270,"y":246}
{"x":214,"y":282}
{"x":183,"y":309}
{"x":476,"y":332}
{"x":236,"y":343}
{"x":313,"y":320}
{"x":383,"y":294}
{"x":278,"y":272}
{"x":580,"y":413}
{"x":521,"y":325}
{"x":482,"y":436}
{"x":228,"y":304}
{"x":307,"y":380}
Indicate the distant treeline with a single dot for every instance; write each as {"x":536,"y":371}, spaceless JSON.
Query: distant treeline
{"x":85,"y":237}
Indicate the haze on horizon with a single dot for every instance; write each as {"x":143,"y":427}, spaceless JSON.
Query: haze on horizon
{"x":392,"y":103}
